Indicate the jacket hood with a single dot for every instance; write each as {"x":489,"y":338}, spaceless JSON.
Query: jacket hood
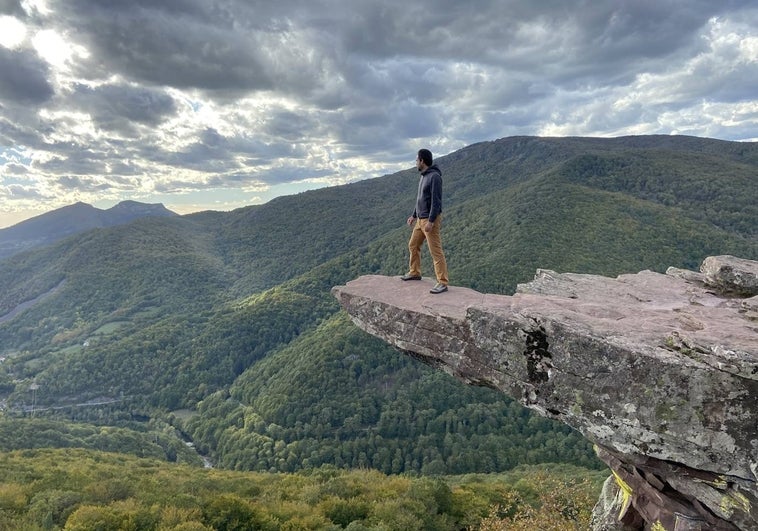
{"x":432,"y":168}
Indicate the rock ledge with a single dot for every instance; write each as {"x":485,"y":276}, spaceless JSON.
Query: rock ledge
{"x":659,"y":371}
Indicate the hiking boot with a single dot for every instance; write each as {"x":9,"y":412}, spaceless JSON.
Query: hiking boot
{"x":410,"y":277}
{"x":439,"y":288}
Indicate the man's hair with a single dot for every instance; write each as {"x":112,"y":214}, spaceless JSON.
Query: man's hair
{"x":426,"y":156}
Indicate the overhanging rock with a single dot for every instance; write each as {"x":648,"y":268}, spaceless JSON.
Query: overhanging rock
{"x":659,"y":371}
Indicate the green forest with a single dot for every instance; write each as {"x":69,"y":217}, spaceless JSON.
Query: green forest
{"x":81,"y":490}
{"x":213,"y":339}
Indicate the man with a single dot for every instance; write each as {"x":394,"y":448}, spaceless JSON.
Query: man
{"x":426,"y":220}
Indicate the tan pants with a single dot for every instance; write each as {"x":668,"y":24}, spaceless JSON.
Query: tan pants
{"x":435,"y":248}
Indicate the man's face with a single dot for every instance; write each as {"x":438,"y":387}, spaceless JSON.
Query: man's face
{"x":419,"y":164}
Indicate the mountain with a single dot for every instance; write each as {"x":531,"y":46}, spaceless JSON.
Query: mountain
{"x":69,"y":220}
{"x":221,"y":324}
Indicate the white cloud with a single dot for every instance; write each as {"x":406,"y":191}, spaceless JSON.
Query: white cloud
{"x":52,"y":47}
{"x":12,"y":32}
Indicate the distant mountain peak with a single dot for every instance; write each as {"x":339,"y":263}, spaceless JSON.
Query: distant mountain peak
{"x":72,"y":219}
{"x":128,"y":203}
{"x":135,"y":209}
{"x":79,"y":205}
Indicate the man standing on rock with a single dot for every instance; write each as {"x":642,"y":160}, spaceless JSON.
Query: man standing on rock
{"x":426,"y":220}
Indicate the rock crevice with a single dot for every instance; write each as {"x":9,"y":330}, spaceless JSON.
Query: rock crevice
{"x":659,"y":371}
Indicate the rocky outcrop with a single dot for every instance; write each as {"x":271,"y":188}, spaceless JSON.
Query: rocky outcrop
{"x":659,"y":371}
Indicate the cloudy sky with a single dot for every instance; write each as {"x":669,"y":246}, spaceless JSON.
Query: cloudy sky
{"x":217,"y":104}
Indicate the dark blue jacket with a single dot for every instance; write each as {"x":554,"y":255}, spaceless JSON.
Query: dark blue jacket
{"x":429,"y":198}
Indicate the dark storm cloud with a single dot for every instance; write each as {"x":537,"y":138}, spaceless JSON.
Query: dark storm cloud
{"x":24,"y":78}
{"x":77,"y":161}
{"x":214,"y":152}
{"x":17,"y":191}
{"x":179,"y":44}
{"x":15,"y":169}
{"x":538,"y":48}
{"x":290,"y":126}
{"x":17,"y":134}
{"x":114,"y":107}
{"x":81,"y":184}
{"x":11,"y":7}
{"x":524,"y":35}
{"x":336,"y":55}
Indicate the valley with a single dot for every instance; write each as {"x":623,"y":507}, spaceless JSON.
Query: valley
{"x":228,"y":314}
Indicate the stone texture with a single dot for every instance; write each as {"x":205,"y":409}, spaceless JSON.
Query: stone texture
{"x":728,"y":275}
{"x":659,"y":371}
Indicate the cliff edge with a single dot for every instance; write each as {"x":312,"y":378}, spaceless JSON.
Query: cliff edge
{"x":659,"y":371}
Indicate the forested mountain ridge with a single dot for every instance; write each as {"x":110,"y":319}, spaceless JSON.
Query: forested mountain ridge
{"x":229,"y":314}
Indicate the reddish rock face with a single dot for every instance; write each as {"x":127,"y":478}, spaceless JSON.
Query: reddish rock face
{"x":659,"y":371}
